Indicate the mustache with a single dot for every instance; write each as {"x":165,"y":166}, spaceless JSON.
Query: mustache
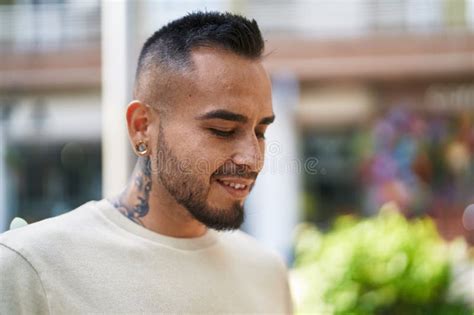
{"x":233,"y":170}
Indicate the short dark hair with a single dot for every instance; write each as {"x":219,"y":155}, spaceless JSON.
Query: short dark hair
{"x":170,"y":47}
{"x":173,"y":43}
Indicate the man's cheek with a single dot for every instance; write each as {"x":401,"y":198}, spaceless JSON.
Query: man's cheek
{"x":202,"y":166}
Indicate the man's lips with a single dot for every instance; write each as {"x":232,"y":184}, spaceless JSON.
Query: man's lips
{"x":237,"y":187}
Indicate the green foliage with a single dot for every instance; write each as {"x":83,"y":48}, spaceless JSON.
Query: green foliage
{"x":382,"y":265}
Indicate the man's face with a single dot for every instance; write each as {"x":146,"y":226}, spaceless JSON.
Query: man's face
{"x":210,"y":148}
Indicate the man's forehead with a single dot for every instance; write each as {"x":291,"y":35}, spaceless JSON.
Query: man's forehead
{"x":220,"y":80}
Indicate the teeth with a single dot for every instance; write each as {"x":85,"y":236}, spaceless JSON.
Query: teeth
{"x":234,"y":185}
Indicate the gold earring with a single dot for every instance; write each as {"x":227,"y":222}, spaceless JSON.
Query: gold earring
{"x":141,"y":148}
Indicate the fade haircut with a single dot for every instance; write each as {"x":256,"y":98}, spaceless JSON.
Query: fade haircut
{"x":168,"y":51}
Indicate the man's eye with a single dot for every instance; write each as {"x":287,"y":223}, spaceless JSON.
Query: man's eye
{"x":222,"y":133}
{"x":260,"y":135}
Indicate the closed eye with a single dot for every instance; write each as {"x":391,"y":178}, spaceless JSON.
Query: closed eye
{"x":222,"y":133}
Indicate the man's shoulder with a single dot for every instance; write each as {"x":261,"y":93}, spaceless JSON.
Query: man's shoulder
{"x":41,"y":234}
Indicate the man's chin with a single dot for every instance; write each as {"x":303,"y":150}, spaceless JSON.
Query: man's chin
{"x":221,"y":220}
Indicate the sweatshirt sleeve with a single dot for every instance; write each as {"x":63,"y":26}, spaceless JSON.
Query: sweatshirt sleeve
{"x":21,"y":290}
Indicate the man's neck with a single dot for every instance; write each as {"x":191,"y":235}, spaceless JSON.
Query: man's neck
{"x":147,"y":203}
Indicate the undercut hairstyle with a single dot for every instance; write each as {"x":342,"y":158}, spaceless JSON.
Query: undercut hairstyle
{"x":168,"y":51}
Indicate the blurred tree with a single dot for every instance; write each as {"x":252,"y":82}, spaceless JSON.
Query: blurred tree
{"x":383,"y":265}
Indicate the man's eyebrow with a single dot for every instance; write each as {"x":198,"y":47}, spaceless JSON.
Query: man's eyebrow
{"x":267,"y":120}
{"x":223,"y":114}
{"x":228,"y":115}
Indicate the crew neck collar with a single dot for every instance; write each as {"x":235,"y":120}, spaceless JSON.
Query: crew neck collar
{"x":195,"y":243}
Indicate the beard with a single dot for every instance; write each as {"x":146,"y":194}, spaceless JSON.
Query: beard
{"x":191,"y":192}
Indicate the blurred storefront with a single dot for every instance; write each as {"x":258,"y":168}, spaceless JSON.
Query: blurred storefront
{"x":386,"y":105}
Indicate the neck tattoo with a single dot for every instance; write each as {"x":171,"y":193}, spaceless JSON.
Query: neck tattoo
{"x":142,"y":183}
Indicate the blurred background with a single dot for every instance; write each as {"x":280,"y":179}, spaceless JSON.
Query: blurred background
{"x":374,"y":102}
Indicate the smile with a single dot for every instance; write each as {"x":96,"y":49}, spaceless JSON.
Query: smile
{"x":236,"y":188}
{"x":234,"y":185}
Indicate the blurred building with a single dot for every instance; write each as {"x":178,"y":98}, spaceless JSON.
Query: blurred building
{"x":377,"y":94}
{"x":49,"y":107}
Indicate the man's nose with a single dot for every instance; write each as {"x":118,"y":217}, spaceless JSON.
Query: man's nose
{"x":249,"y":152}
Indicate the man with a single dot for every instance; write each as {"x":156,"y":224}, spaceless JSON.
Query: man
{"x":202,"y":105}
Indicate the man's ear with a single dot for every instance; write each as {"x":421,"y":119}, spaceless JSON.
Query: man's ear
{"x":139,"y":121}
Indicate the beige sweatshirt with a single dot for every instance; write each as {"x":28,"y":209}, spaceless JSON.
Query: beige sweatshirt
{"x":95,"y":260}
